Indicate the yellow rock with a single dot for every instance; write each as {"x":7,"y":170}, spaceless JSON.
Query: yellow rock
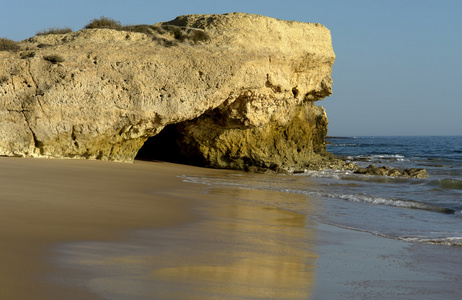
{"x":100,"y":93}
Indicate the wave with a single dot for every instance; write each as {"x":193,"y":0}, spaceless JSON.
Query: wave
{"x":361,"y":198}
{"x":334,"y":174}
{"x":380,"y":201}
{"x":344,"y":145}
{"x":449,"y":183}
{"x":347,"y":175}
{"x":446,"y":241}
{"x":292,"y":185}
{"x":374,"y":157}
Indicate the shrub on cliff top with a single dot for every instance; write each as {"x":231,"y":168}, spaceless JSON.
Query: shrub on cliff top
{"x":54,"y":30}
{"x":146,"y":29}
{"x":3,"y":78}
{"x":8,"y":45}
{"x":104,"y":22}
{"x":184,"y":33}
{"x":180,"y":34}
{"x":54,"y":58}
{"x":199,"y":36}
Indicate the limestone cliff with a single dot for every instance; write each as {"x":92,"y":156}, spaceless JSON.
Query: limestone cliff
{"x":241,"y":89}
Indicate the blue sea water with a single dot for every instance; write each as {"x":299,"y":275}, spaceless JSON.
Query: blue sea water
{"x":425,"y":210}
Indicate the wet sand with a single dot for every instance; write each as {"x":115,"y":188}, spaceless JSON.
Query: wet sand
{"x":234,"y":250}
{"x":98,"y":230}
{"x":47,"y":202}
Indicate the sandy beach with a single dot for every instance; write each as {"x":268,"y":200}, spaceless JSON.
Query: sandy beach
{"x":47,"y":202}
{"x":73,"y":229}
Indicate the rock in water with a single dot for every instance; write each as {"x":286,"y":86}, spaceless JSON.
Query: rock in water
{"x":387,"y":171}
{"x":239,"y":88}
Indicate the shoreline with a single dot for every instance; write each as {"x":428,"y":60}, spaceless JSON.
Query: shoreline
{"x":103,"y":230}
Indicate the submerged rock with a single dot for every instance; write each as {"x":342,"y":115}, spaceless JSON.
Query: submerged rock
{"x":387,"y":171}
{"x":240,"y":90}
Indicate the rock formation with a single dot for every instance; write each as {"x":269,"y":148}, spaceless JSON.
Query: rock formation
{"x":239,"y":89}
{"x":393,"y":172}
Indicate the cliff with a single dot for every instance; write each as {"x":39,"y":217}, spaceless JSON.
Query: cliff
{"x":234,"y":91}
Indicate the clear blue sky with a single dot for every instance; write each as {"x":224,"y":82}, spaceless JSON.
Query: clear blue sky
{"x":398,"y":61}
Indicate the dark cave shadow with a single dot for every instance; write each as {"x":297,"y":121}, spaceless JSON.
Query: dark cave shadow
{"x":162,"y":147}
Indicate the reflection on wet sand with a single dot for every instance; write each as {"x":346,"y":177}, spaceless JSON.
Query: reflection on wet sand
{"x":237,"y":250}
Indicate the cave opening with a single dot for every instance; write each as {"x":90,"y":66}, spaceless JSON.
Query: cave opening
{"x":162,"y":147}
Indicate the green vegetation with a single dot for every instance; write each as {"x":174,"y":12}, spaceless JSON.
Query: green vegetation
{"x":54,"y":58}
{"x":162,"y":34}
{"x":180,"y":34}
{"x":54,"y":30}
{"x":197,"y":35}
{"x":25,"y":55}
{"x":146,"y":29}
{"x":8,"y":45}
{"x":104,"y":22}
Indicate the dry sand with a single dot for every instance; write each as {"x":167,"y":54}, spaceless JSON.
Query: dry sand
{"x":73,"y":229}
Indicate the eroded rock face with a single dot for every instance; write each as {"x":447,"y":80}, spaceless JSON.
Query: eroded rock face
{"x":223,"y":139}
{"x":240,"y":87}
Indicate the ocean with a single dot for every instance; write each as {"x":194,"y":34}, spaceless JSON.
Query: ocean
{"x":427,"y":211}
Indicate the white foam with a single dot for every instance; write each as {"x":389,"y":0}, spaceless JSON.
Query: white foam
{"x":360,"y":198}
{"x":446,"y":241}
{"x":396,"y":157}
{"x":341,"y":145}
{"x":334,"y":174}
